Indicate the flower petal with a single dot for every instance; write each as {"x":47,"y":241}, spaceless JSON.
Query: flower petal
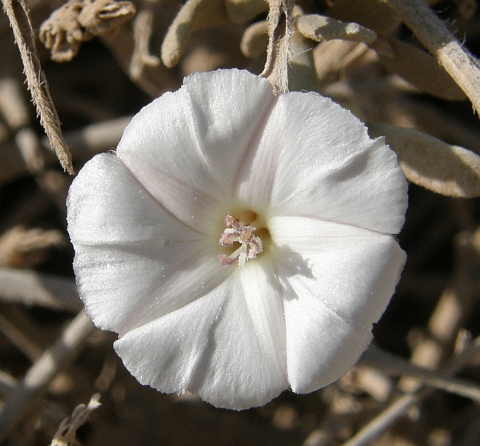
{"x":106,"y":205}
{"x":127,"y":286}
{"x":133,"y":260}
{"x":316,"y":159}
{"x":186,"y":147}
{"x":352,"y":271}
{"x":228,"y":347}
{"x":337,"y":281}
{"x":321,"y":347}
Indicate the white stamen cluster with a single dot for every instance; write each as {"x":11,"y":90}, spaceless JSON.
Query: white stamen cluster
{"x":250,"y":245}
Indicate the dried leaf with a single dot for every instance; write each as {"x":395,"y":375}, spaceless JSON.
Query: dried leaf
{"x":194,"y":15}
{"x":100,"y":17}
{"x":141,"y":57}
{"x":80,"y":20}
{"x":255,"y":40}
{"x":333,"y":56}
{"x":318,"y":28}
{"x":417,"y":67}
{"x":431,"y":163}
{"x":61,"y":32}
{"x":241,"y":11}
{"x":301,"y":73}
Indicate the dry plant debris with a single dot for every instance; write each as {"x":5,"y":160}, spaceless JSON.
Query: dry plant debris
{"x":407,"y":68}
{"x":25,"y":248}
{"x":19,"y":17}
{"x":66,"y":433}
{"x":80,"y":20}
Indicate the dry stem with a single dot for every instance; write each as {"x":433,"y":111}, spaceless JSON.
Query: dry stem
{"x":395,"y":366}
{"x":19,"y":17}
{"x":279,"y":33}
{"x":438,"y":39}
{"x":389,"y":416}
{"x":32,"y":288}
{"x":41,"y":374}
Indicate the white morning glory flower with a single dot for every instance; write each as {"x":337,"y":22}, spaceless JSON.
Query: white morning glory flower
{"x":240,"y":243}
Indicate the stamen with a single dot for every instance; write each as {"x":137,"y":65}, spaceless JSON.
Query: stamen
{"x":238,"y":232}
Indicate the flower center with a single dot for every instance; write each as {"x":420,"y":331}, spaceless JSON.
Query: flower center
{"x":239,"y":231}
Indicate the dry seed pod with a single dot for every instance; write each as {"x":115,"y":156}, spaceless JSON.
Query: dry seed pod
{"x":373,"y":14}
{"x":241,"y":11}
{"x":194,"y":15}
{"x":318,"y":28}
{"x":417,"y":67}
{"x":431,"y":163}
{"x":255,"y":40}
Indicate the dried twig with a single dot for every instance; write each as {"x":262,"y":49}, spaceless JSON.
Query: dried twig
{"x":84,"y":143}
{"x":25,"y":342}
{"x":15,"y":110}
{"x":21,"y":247}
{"x":41,"y":374}
{"x":18,"y":14}
{"x":438,"y":39}
{"x":454,"y":306}
{"x":389,"y":416}
{"x":31,"y":288}
{"x":395,"y":366}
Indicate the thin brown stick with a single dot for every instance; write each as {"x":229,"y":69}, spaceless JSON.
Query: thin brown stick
{"x":438,"y":39}
{"x":41,"y":374}
{"x":19,"y":17}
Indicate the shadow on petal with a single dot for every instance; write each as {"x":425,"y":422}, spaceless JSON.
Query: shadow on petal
{"x":287,"y":264}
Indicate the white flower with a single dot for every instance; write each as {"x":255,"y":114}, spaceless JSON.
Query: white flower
{"x":239,"y":242}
